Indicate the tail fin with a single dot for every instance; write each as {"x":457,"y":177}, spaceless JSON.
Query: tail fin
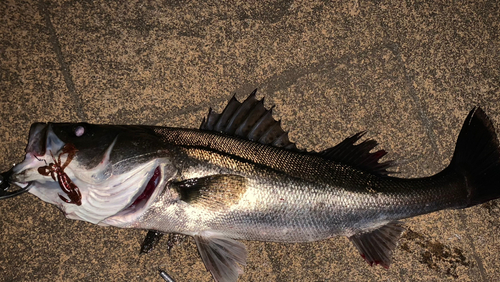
{"x":477,"y":157}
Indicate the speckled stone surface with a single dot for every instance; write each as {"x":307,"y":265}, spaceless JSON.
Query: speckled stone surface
{"x":406,"y":71}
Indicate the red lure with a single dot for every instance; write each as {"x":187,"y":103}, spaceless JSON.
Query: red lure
{"x":56,"y":171}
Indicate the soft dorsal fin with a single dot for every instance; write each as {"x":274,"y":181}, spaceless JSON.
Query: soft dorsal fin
{"x":359,"y":155}
{"x":248,"y":120}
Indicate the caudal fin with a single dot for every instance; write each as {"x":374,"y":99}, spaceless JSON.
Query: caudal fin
{"x":477,"y":157}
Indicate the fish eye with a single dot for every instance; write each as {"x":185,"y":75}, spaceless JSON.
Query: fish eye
{"x":79,"y":131}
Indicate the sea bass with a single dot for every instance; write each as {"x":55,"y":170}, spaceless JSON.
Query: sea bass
{"x":240,"y":177}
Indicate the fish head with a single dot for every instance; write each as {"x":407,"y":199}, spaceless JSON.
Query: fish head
{"x":95,"y":172}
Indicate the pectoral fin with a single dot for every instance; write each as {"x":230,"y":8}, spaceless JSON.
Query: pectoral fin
{"x":213,"y":192}
{"x":222,"y":256}
{"x":376,"y":246}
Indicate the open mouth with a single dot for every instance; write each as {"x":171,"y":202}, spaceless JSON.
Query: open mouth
{"x":144,"y":197}
{"x":37,"y":139}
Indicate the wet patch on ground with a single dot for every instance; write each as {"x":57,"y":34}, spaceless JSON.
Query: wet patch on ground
{"x":436,"y":255}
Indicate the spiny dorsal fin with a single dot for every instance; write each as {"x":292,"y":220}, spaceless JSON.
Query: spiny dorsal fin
{"x":376,"y":246}
{"x":248,"y":120}
{"x":212,"y":192}
{"x":359,"y":155}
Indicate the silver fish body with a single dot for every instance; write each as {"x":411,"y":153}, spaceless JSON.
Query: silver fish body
{"x":300,"y":198}
{"x":239,"y":177}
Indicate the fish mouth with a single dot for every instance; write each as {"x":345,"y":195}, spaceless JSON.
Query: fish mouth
{"x":37,"y":139}
{"x":41,"y":139}
{"x":7,"y":190}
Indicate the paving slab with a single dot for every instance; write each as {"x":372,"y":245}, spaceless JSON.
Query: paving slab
{"x":407,"y":72}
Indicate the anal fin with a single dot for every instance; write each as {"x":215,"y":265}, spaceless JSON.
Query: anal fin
{"x":223,"y":257}
{"x":376,"y":246}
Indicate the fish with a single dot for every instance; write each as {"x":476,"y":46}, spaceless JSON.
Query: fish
{"x":239,"y":177}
